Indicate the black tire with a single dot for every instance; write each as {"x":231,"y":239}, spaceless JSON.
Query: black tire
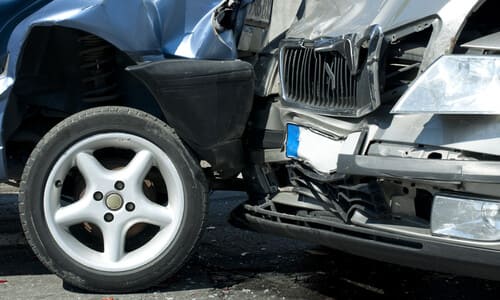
{"x":87,"y":124}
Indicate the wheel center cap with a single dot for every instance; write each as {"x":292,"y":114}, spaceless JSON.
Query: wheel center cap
{"x":114,"y":201}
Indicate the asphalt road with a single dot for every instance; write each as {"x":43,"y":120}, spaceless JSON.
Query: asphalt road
{"x":236,"y":264}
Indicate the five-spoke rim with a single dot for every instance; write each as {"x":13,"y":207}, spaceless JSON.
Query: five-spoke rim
{"x":114,"y":201}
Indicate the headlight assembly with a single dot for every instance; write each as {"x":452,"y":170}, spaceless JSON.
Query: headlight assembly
{"x":455,"y":84}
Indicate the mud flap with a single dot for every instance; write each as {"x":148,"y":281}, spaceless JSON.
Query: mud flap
{"x":208,"y":103}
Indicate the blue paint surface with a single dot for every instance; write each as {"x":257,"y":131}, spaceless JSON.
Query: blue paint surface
{"x":142,"y":28}
{"x":11,"y":13}
{"x":292,"y":141}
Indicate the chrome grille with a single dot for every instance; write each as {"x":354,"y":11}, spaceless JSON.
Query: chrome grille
{"x":320,"y":80}
{"x":330,"y":76}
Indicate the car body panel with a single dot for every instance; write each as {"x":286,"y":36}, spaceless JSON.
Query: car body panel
{"x":147,"y":26}
{"x":340,"y":17}
{"x":141,"y":28}
{"x":336,"y":18}
{"x":11,"y":13}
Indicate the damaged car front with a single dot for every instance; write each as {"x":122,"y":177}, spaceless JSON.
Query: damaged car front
{"x":390,"y":120}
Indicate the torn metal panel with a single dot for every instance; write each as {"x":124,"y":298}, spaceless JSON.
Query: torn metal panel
{"x":182,"y":28}
{"x":341,"y":17}
{"x":336,"y":18}
{"x":142,"y":28}
{"x":452,"y":18}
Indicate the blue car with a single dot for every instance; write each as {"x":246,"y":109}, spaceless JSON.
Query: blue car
{"x":128,"y":195}
{"x":369,"y":126}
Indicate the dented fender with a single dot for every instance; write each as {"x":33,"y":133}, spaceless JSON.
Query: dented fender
{"x":181,"y":28}
{"x":144,"y":29}
{"x":140,"y":28}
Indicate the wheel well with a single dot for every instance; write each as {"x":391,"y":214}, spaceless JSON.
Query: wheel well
{"x":62,"y":71}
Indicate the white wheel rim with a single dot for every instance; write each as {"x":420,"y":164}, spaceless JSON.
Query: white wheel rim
{"x":114,"y":258}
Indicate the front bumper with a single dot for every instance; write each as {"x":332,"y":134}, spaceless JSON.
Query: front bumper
{"x":411,"y":251}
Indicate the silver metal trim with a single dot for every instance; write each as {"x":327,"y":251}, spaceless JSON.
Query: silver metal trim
{"x":489,"y":42}
{"x":348,"y":46}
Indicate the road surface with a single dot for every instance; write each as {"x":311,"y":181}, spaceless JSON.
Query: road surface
{"x":236,"y":264}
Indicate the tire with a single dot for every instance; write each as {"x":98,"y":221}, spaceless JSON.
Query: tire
{"x":112,"y":201}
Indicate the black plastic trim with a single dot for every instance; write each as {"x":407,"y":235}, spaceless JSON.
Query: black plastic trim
{"x":207,"y":102}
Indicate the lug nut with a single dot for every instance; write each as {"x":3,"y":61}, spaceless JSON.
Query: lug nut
{"x":119,"y":185}
{"x":58,"y":184}
{"x":108,"y":217}
{"x":98,"y":196}
{"x":130,"y":206}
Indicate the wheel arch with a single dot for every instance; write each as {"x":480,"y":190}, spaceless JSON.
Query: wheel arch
{"x":48,"y":86}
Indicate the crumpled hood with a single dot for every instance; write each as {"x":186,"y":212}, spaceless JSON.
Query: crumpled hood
{"x":330,"y":18}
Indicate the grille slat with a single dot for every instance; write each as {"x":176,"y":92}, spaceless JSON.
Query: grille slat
{"x":338,"y":83}
{"x":317,"y":84}
{"x":345,"y":83}
{"x":292,"y":71}
{"x":300,"y":63}
{"x":309,"y":86}
{"x":351,"y":87}
{"x":303,"y":78}
{"x":288,"y":69}
{"x":322,"y":82}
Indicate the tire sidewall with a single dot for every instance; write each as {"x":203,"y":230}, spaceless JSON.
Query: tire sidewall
{"x":86,"y":124}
